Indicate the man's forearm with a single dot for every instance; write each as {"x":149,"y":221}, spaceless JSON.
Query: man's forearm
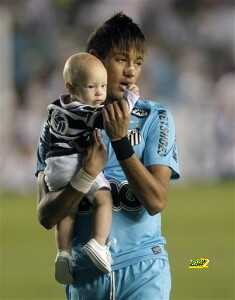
{"x":147,"y":187}
{"x":54,"y":206}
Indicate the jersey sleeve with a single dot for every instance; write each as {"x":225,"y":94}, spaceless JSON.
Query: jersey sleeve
{"x":43,"y":148}
{"x":160,"y":145}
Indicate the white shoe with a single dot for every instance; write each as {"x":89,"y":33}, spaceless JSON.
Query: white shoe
{"x":63,"y":268}
{"x":99,"y":255}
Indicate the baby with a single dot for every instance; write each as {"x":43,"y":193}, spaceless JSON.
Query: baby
{"x":72,"y":120}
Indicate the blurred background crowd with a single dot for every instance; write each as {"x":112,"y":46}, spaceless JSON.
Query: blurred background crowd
{"x":189,"y":66}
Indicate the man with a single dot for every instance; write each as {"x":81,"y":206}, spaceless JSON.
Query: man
{"x":142,"y":158}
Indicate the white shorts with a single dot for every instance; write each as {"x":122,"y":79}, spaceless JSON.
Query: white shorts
{"x":60,"y":170}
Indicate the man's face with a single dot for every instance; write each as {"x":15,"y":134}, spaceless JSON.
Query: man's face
{"x":123,"y":68}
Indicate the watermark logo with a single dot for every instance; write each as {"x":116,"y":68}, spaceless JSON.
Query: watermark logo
{"x":199,"y":263}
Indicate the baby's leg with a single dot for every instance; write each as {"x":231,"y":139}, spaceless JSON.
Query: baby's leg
{"x":96,"y":247}
{"x":102,"y":217}
{"x":63,"y":262}
{"x":64,"y":232}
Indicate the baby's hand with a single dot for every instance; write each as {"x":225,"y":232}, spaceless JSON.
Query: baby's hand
{"x":134,"y":88}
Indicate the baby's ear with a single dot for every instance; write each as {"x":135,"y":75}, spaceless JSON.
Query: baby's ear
{"x":69,"y":87}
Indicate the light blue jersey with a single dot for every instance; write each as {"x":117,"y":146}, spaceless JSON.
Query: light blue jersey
{"x":135,"y":234}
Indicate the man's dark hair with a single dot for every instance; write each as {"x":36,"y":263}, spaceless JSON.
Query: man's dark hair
{"x":118,"y":32}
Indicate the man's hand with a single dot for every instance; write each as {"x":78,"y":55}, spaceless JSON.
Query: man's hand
{"x":116,"y":118}
{"x":95,"y":158}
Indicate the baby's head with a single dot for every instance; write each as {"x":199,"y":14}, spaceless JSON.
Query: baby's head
{"x":85,"y":78}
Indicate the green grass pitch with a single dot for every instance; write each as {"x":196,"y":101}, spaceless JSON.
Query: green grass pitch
{"x":198,"y":222}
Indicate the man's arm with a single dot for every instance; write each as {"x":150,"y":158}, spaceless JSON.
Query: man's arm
{"x":150,"y":184}
{"x":52,"y":207}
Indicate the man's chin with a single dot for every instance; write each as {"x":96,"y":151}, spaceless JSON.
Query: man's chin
{"x":116,"y":96}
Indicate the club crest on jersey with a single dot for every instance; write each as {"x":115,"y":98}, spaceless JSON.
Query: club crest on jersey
{"x":140,"y":112}
{"x":59,"y":122}
{"x":134,"y":136}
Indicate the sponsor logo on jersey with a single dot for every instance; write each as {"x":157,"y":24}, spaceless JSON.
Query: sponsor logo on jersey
{"x":122,"y":196}
{"x":164,"y":133}
{"x":199,"y":263}
{"x":134,"y":136}
{"x":140,"y":112}
{"x":59,"y":122}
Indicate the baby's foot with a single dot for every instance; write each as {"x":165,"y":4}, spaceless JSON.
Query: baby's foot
{"x":99,"y":255}
{"x":63,"y":267}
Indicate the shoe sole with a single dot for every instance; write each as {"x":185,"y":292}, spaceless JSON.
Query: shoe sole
{"x":98,"y":262}
{"x":62,"y":271}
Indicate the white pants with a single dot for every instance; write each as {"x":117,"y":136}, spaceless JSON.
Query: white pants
{"x":60,"y":170}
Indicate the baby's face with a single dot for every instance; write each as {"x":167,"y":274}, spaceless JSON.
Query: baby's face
{"x":93,"y":88}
